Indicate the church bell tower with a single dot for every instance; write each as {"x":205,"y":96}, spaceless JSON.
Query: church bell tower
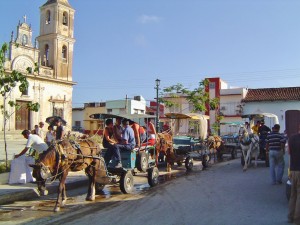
{"x":56,"y":39}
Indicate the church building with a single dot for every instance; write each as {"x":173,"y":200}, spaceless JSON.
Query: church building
{"x":52,"y":51}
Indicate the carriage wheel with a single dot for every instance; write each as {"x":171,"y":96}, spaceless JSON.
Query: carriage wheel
{"x":126,"y":182}
{"x":189,"y":163}
{"x":179,"y":163}
{"x":242,"y":160}
{"x":205,"y":160}
{"x":267,"y":160}
{"x":153,"y":174}
{"x":142,"y":162}
{"x":99,"y":187}
{"x":233,"y":153}
{"x":219,"y":156}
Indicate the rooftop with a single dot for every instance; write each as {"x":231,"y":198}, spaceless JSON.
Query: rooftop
{"x":273,"y":94}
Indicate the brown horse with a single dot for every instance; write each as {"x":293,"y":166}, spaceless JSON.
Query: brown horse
{"x":164,"y":144}
{"x":215,"y":145}
{"x":65,"y":156}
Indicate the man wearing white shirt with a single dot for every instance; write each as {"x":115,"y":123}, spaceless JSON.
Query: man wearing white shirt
{"x":33,"y":141}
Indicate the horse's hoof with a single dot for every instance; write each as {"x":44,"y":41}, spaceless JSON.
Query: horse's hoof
{"x":56,"y":209}
{"x":63,"y":203}
{"x":90,"y":198}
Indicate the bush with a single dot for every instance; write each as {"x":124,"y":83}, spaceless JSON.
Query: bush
{"x":3,"y":168}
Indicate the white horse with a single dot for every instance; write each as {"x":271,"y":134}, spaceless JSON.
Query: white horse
{"x":250,"y":148}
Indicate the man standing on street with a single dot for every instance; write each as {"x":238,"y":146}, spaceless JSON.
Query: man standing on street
{"x":275,"y":147}
{"x":294,"y":203}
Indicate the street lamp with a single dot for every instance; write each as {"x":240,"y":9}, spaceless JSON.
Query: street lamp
{"x":157,"y":82}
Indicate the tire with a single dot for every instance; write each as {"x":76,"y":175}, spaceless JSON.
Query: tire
{"x":153,"y":174}
{"x":267,"y":160}
{"x":189,"y":163}
{"x":126,"y":182}
{"x":288,"y":187}
{"x":219,"y":156}
{"x":99,"y":187}
{"x":242,"y":160}
{"x":233,"y":153}
{"x":142,"y":162}
{"x":205,"y":160}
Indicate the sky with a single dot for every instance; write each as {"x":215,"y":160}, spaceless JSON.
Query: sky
{"x":122,"y":47}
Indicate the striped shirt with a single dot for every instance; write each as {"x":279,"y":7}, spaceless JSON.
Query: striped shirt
{"x":275,"y":140}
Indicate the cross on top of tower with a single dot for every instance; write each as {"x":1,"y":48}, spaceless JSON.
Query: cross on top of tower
{"x":24,"y":17}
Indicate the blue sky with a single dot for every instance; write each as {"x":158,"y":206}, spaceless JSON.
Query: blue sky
{"x":123,"y":46}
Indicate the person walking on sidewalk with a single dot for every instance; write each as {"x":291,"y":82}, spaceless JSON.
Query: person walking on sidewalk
{"x":275,"y":146}
{"x":294,"y":202}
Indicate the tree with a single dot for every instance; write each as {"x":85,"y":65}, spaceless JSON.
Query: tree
{"x":198,"y":97}
{"x":8,"y":82}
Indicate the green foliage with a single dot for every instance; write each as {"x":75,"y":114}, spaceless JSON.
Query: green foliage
{"x":3,"y":168}
{"x":8,"y":82}
{"x":197,"y":97}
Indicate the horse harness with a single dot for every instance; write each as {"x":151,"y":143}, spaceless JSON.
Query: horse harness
{"x":62,"y":159}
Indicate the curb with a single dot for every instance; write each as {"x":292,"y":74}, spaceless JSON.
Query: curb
{"x":32,"y":193}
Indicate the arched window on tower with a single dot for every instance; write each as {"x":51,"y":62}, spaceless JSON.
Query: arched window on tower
{"x":46,"y":56}
{"x":64,"y":52}
{"x":48,"y":17}
{"x":65,"y":19}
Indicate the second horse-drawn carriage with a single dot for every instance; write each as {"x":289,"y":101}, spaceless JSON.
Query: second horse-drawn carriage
{"x":189,"y":134}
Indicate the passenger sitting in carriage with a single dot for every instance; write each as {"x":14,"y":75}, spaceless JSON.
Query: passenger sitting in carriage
{"x":151,"y":132}
{"x":127,"y":144}
{"x":118,"y":129}
{"x":256,"y":127}
{"x":263,"y":131}
{"x":139,"y":133}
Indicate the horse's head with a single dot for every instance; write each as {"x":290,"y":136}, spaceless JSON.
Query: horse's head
{"x":44,"y":165}
{"x":40,"y":171}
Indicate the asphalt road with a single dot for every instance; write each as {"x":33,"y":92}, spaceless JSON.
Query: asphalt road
{"x":221,"y":195}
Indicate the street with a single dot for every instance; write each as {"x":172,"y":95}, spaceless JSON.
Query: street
{"x":220,"y":195}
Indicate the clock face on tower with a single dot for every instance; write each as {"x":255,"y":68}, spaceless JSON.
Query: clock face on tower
{"x":24,"y":39}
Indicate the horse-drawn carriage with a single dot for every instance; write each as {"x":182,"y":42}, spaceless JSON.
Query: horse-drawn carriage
{"x":83,"y":153}
{"x":141,"y":159}
{"x":256,"y":145}
{"x":188,"y":140}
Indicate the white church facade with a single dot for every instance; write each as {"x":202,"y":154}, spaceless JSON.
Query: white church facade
{"x":52,"y":85}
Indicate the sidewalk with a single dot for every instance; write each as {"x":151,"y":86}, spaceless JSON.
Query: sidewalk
{"x":18,"y":192}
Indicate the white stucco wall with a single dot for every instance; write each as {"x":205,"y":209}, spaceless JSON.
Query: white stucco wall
{"x":278,"y":108}
{"x":78,"y":115}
